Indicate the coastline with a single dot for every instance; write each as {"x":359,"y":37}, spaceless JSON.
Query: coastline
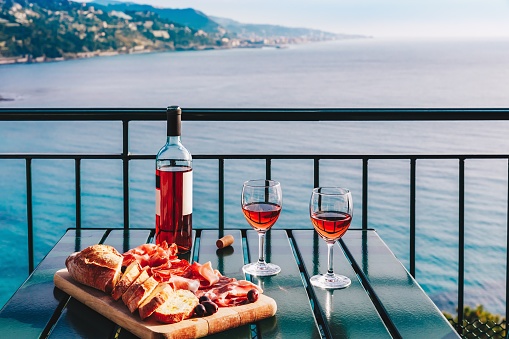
{"x":147,"y":49}
{"x":99,"y":53}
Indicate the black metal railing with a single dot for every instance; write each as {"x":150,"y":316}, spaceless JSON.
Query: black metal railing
{"x":189,"y":114}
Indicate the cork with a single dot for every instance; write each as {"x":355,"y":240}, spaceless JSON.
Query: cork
{"x":225,"y":241}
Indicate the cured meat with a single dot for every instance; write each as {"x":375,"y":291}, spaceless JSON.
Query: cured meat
{"x":172,"y":267}
{"x":233,"y":293}
{"x":181,"y":283}
{"x":151,"y":255}
{"x":205,"y":273}
{"x":163,"y":265}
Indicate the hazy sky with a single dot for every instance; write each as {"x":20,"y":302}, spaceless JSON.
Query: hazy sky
{"x":371,"y":17}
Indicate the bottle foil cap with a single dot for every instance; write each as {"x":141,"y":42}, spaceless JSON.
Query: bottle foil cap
{"x":173,"y":120}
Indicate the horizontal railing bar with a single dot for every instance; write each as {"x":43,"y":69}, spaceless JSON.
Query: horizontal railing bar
{"x":256,"y":114}
{"x":348,"y":156}
{"x":258,"y":156}
{"x":57,"y":156}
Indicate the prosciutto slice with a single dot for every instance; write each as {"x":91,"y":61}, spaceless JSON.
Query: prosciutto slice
{"x":151,"y":255}
{"x":164,"y":272}
{"x":233,"y":293}
{"x":205,"y":273}
{"x":181,"y":283}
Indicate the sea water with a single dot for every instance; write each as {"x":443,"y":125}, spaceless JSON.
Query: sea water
{"x":348,"y":73}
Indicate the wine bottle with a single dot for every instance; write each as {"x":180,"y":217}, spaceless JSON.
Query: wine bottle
{"x":174,"y":187}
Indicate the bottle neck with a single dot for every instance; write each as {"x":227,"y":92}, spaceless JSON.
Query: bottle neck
{"x":173,"y":140}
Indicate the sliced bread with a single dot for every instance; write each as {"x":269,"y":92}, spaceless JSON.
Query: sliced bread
{"x":134,"y":286}
{"x":130,"y":274}
{"x":141,"y":293}
{"x":158,"y":297}
{"x":179,"y":306}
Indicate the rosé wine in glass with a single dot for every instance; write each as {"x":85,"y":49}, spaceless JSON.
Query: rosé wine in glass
{"x":261,"y":203}
{"x":330,"y":210}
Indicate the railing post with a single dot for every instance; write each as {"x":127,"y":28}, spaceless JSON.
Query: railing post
{"x":77,"y":175}
{"x":461,"y":243}
{"x":316,"y":172}
{"x":30,"y":216}
{"x":507,"y":257}
{"x":268,"y":169}
{"x":412,"y":217}
{"x":365,"y":193}
{"x":221,"y":196}
{"x":125,"y":167}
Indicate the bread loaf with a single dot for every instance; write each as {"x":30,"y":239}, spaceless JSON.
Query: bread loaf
{"x":130,"y":274}
{"x":158,"y":297}
{"x":179,"y":306}
{"x":97,"y":266}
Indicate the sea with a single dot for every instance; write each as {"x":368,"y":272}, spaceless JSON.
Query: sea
{"x":369,"y":73}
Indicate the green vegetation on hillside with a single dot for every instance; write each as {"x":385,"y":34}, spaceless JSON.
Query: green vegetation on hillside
{"x":40,"y":30}
{"x":479,"y":323}
{"x":50,"y":29}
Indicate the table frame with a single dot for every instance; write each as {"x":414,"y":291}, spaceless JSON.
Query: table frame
{"x":384,"y":300}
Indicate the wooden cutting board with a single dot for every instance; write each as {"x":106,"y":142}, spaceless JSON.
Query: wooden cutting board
{"x":116,"y":311}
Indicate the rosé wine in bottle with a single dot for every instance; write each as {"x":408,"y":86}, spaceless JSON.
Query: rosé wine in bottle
{"x":174,"y":187}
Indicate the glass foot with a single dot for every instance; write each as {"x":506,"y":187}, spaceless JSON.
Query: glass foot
{"x":330,"y":281}
{"x":261,"y":270}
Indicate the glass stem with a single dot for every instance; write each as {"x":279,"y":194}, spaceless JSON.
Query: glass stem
{"x":261,"y":248}
{"x":330,"y":269}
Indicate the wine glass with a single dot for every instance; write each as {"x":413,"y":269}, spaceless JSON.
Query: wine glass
{"x":330,"y":209}
{"x":261,"y":204}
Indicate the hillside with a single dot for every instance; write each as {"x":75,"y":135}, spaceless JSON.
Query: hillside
{"x":45,"y":30}
{"x":186,"y":17}
{"x":51,"y":30}
{"x":253,"y":31}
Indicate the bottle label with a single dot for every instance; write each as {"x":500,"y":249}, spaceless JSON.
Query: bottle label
{"x":187,"y":194}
